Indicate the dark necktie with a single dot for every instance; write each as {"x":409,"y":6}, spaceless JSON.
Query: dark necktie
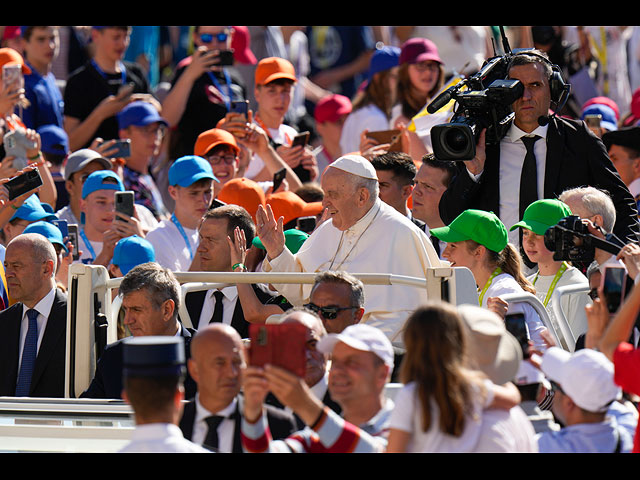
{"x":217,"y":309}
{"x":529,"y":176}
{"x":29,"y":353}
{"x":436,"y":244}
{"x":211,"y":440}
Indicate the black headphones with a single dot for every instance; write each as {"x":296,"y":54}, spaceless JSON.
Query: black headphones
{"x":558,"y":87}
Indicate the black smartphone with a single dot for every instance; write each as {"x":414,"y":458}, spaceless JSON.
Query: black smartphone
{"x":21,"y":184}
{"x":73,"y":238}
{"x":120,"y":149}
{"x":63,"y":226}
{"x":517,"y":326}
{"x":613,"y":286}
{"x":225,"y":58}
{"x":125,"y":203}
{"x":300,"y":139}
{"x":278,"y":177}
{"x":306,"y":224}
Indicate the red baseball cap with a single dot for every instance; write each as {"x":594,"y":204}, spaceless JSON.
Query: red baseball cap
{"x":274,"y":68}
{"x":240,"y":43}
{"x":416,"y":50}
{"x":331,"y":107}
{"x":243,"y":192}
{"x":8,"y":56}
{"x":290,"y":206}
{"x":212,"y":138}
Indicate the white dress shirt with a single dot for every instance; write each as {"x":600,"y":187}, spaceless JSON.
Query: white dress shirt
{"x":43,"y":307}
{"x":228,"y":306}
{"x":160,"y":438}
{"x":225,"y":429}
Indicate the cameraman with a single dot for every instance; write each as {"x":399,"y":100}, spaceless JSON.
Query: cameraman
{"x":568,"y":155}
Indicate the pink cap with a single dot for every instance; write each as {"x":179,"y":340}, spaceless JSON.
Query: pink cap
{"x":240,"y":42}
{"x":331,"y":107}
{"x":416,"y":50}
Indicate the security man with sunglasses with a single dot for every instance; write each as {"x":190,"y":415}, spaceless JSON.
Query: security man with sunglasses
{"x":202,"y":89}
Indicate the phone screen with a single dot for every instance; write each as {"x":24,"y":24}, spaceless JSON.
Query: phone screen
{"x":517,"y":326}
{"x":613,"y":283}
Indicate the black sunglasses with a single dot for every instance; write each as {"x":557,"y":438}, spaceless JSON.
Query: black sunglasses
{"x":330,"y":312}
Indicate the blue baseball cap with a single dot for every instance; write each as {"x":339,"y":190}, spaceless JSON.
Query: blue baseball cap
{"x":32,"y":211}
{"x":102,"y":180}
{"x":189,"y":169}
{"x":131,"y":252}
{"x":609,"y":120}
{"x":384,"y":58}
{"x":49,"y":231}
{"x":139,"y":114}
{"x":54,"y":140}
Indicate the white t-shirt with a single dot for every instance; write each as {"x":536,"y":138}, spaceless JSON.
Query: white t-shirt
{"x":283,"y":135}
{"x":170,"y":247}
{"x":572,"y":305}
{"x":369,"y":118}
{"x":407,"y":416}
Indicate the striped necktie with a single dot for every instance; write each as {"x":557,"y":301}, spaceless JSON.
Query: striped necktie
{"x":29,"y":353}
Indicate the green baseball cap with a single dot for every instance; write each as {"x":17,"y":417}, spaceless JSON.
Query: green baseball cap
{"x":543,"y":214}
{"x":480,"y":226}
{"x":293,"y":240}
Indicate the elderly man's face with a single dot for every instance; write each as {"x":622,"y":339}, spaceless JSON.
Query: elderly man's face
{"x":141,"y":317}
{"x":341,"y":198}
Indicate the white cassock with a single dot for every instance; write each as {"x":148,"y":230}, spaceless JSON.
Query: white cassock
{"x":383,"y":241}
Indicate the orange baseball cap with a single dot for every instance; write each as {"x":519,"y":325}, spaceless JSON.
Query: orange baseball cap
{"x":290,"y":206}
{"x":244,"y":192}
{"x":212,"y":138}
{"x":274,"y":68}
{"x":8,"y":56}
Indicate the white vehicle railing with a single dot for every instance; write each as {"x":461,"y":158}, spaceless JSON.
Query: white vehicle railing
{"x":561,"y":318}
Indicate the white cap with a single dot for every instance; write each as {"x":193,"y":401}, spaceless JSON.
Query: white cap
{"x":529,"y":375}
{"x":586,"y":376}
{"x":361,"y":337}
{"x":356,"y":165}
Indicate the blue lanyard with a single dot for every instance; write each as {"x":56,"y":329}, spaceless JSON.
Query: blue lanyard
{"x":123,"y":72}
{"x":227,"y":78}
{"x":88,"y":245}
{"x":184,"y":235}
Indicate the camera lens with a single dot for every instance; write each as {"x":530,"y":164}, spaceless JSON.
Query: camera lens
{"x":456,"y":140}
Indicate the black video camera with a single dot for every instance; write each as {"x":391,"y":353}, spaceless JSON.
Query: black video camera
{"x":570,"y":240}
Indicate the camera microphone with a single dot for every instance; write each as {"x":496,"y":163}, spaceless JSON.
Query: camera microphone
{"x":543,"y":120}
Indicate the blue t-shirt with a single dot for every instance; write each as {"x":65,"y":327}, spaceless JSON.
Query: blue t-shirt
{"x":47,"y":105}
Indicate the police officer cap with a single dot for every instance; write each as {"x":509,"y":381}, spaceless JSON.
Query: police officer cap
{"x":151,"y":356}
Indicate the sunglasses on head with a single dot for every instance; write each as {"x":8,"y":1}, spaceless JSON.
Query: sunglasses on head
{"x":329,"y":312}
{"x":208,"y":37}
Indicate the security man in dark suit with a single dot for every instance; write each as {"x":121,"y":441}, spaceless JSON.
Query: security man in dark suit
{"x":150,"y":301}
{"x":213,"y":417}
{"x":33,"y":340}
{"x":214,"y":255}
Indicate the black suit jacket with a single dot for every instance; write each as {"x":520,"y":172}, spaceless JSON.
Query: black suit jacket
{"x":273,"y":401}
{"x":49,"y":371}
{"x":195,"y":300}
{"x":281,"y":423}
{"x":107,"y":381}
{"x":575,"y":158}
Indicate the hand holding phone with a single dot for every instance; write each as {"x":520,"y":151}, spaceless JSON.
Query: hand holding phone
{"x":283,"y":345}
{"x":613,"y":284}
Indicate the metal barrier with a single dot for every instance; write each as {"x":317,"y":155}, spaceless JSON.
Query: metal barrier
{"x":563,"y":323}
{"x":538,"y":306}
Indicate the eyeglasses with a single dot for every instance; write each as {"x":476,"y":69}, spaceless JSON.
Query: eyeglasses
{"x":217,"y":159}
{"x":329,"y":312}
{"x":593,"y":293}
{"x":423,"y":66}
{"x":555,"y":387}
{"x":208,"y":37}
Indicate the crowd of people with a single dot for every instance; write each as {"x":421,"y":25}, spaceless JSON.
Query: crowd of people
{"x":155,"y":150}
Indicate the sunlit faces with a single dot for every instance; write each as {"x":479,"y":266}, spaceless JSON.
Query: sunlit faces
{"x":76,"y":181}
{"x":142,"y":318}
{"x":341,"y":198}
{"x":192,"y":202}
{"x":23,"y":272}
{"x":424,"y":76}
{"x":42,"y":46}
{"x":533,"y":245}
{"x":99,"y":210}
{"x":328,"y":294}
{"x":428,"y":189}
{"x":111,"y":42}
{"x":535,"y":100}
{"x":273,"y":100}
{"x":392,"y":190}
{"x":316,"y":361}
{"x":627,"y":165}
{"x":459,"y":254}
{"x":145,"y":140}
{"x":355,"y":374}
{"x":224,"y":162}
{"x":214,"y":38}
{"x":213,"y":247}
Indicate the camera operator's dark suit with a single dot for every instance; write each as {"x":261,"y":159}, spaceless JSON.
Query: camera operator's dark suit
{"x":575,"y":158}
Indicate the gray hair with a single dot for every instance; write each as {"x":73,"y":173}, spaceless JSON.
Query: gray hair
{"x":596,"y":201}
{"x":343,"y":278}
{"x":42,"y":249}
{"x":159,"y":282}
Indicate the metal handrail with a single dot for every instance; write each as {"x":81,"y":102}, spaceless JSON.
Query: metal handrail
{"x":561,"y":318}
{"x":538,"y":306}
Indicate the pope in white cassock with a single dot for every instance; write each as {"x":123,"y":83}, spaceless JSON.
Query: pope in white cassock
{"x":363,"y":235}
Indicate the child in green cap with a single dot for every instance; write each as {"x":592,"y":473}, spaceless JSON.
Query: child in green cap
{"x":478,"y":240}
{"x":552,"y":274}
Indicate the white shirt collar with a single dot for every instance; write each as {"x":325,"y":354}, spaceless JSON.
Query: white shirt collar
{"x":230,"y":292}
{"x":202,"y":413}
{"x":514,"y":134}
{"x":634,"y":187}
{"x":43,"y":307}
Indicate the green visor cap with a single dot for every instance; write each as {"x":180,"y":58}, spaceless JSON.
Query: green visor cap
{"x":543,"y":214}
{"x":293,"y":240}
{"x":480,"y":226}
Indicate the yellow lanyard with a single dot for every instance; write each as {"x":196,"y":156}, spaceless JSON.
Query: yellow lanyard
{"x":496,"y":272}
{"x":601,"y":54}
{"x":556,"y":278}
